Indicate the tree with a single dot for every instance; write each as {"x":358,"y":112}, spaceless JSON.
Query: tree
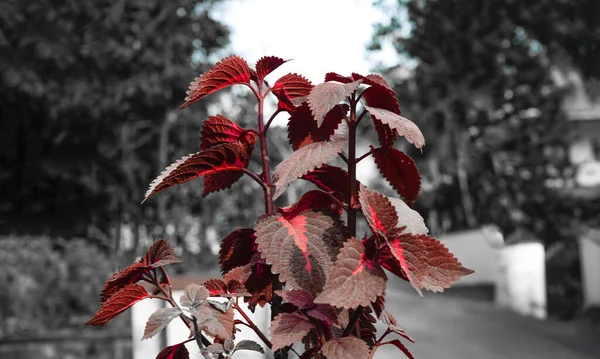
{"x":87,"y":91}
{"x":484,"y":88}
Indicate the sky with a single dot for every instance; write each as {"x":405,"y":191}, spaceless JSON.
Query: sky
{"x":319,"y":35}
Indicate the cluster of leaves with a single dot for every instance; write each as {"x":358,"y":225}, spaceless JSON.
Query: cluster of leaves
{"x":326,"y":286}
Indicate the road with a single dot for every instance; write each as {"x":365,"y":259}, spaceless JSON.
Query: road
{"x":454,"y":328}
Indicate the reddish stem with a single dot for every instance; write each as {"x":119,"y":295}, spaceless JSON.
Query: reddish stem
{"x":353,"y":200}
{"x":264,"y":151}
{"x":367,"y":154}
{"x":251,"y":324}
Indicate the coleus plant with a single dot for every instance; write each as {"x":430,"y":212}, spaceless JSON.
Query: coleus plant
{"x":325,"y":285}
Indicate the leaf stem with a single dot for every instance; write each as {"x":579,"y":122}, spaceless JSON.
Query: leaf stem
{"x":360,"y":117}
{"x":264,"y":152}
{"x":271,"y":120}
{"x":353,"y":200}
{"x":352,"y":322}
{"x":367,"y":154}
{"x":255,"y":177}
{"x":251,"y":324}
{"x":343,"y":157}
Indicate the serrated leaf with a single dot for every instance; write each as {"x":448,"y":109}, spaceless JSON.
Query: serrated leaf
{"x":261,"y":282}
{"x":289,"y":328}
{"x":300,"y":248}
{"x":303,"y":130}
{"x":400,"y":171}
{"x":398,"y":344}
{"x":130,"y":275}
{"x":374,"y":80}
{"x":408,"y":217}
{"x":159,"y":320}
{"x":330,"y":179}
{"x":426,"y":262}
{"x":298,"y":297}
{"x":231,"y":70}
{"x":384,"y":214}
{"x":403,"y":126}
{"x":354,"y":280}
{"x":288,"y":88}
{"x":381,"y":97}
{"x":118,"y":303}
{"x":249,"y":345}
{"x":215,"y":348}
{"x":324,"y":312}
{"x":160,"y":254}
{"x":315,"y":199}
{"x":305,"y":160}
{"x":215,"y":322}
{"x":325,"y":96}
{"x":216,"y":287}
{"x":267,"y":64}
{"x":193,"y":296}
{"x":228,"y":345}
{"x":177,"y":351}
{"x":378,"y":211}
{"x":224,"y":157}
{"x":238,"y":274}
{"x":237,"y":249}
{"x":346,"y":348}
{"x":219,"y":129}
{"x":394,"y":327}
{"x":332,"y":76}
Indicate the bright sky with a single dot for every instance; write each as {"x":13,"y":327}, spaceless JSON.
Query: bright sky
{"x":319,"y":35}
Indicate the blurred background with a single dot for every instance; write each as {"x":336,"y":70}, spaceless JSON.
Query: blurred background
{"x":506,"y":92}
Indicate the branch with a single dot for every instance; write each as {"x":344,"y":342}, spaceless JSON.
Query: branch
{"x":343,"y":157}
{"x":255,"y":177}
{"x":367,"y":154}
{"x":271,"y":120}
{"x":251,"y":324}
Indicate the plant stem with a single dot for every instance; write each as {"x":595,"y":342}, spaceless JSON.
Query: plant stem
{"x":352,"y":322}
{"x":353,"y":200}
{"x":366,"y":155}
{"x":264,"y":151}
{"x":251,"y":324}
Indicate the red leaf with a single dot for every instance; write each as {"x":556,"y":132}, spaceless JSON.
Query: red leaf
{"x":315,"y":199}
{"x":130,"y":275}
{"x":385,"y":213}
{"x":298,"y":297}
{"x":404,"y":127}
{"x":398,"y":344}
{"x":224,"y":157}
{"x":330,"y":179}
{"x":159,"y":320}
{"x":325,"y":96}
{"x":354,"y":280}
{"x":216,"y":287}
{"x":346,"y":348}
{"x":159,"y":254}
{"x":374,"y":80}
{"x":265,"y":65}
{"x":231,"y":70}
{"x":332,"y":76}
{"x":289,"y":328}
{"x":378,"y":211}
{"x":324,"y":312}
{"x":301,"y":248}
{"x":305,"y":160}
{"x":426,"y":262}
{"x":118,"y":303}
{"x":290,"y":87}
{"x":237,"y":249}
{"x":260,"y":283}
{"x":219,"y":129}
{"x":400,"y":171}
{"x":177,"y":351}
{"x":303,"y":130}
{"x":380,"y":97}
{"x":215,"y":322}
